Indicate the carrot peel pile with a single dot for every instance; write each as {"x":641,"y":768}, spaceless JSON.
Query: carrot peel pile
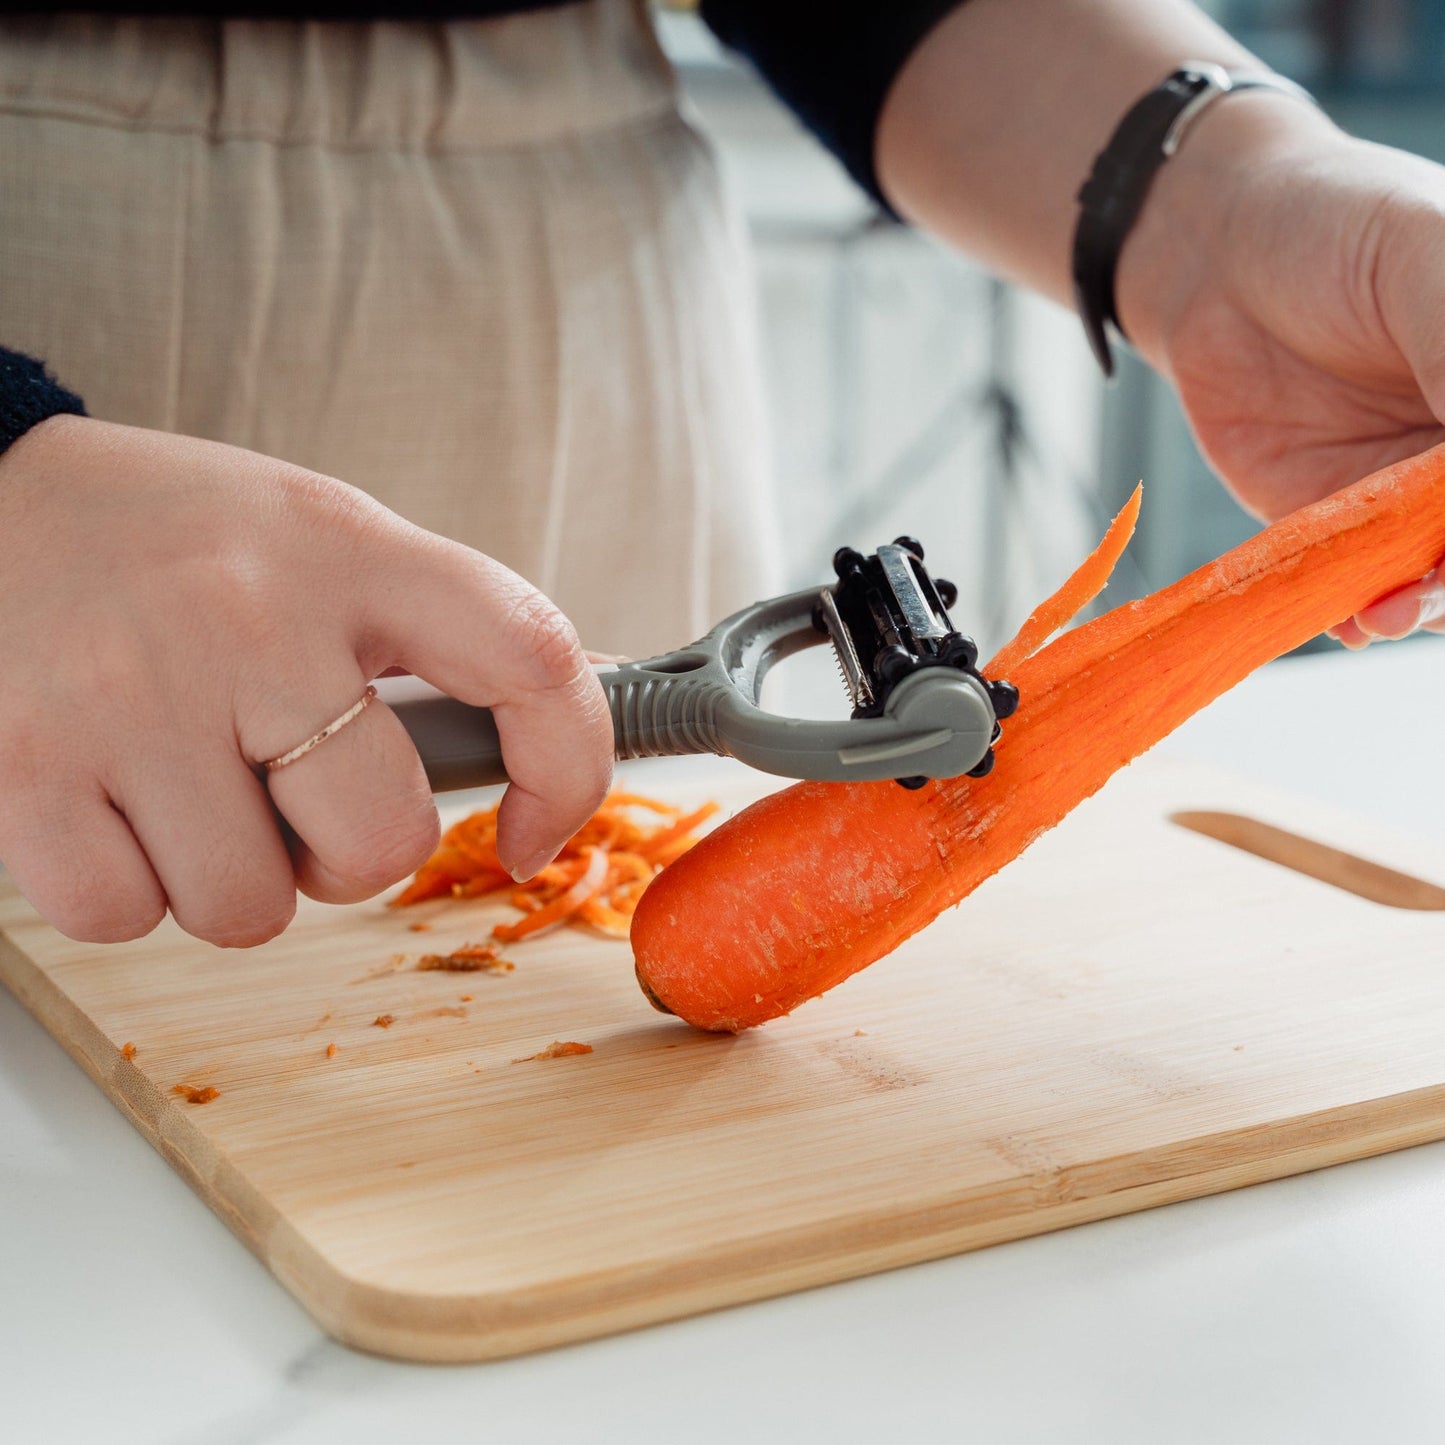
{"x":596,"y":880}
{"x":815,"y":882}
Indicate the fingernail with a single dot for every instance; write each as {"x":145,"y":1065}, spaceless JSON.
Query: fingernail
{"x":534,"y":865}
{"x":1432,"y":604}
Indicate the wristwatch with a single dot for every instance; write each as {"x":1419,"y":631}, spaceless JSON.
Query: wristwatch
{"x":1112,"y":197}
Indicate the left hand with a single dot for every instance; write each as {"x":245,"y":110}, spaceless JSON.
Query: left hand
{"x":1290,"y":280}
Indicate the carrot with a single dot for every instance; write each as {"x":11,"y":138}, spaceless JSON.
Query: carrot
{"x":813,"y":883}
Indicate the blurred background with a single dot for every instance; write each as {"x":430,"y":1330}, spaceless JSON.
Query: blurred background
{"x":911,"y":392}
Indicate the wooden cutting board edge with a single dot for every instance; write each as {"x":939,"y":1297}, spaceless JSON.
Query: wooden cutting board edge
{"x":461,"y":1329}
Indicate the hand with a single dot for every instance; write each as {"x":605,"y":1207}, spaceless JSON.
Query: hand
{"x":174,"y":611}
{"x":1289,"y":280}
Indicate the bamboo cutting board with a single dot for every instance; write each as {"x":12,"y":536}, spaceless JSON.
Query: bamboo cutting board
{"x":1131,"y":1014}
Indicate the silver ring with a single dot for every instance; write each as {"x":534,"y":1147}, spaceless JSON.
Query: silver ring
{"x":316,"y":739}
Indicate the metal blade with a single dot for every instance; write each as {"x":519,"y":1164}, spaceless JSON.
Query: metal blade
{"x":854,"y":678}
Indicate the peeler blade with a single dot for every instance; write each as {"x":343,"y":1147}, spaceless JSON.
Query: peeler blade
{"x":844,"y":652}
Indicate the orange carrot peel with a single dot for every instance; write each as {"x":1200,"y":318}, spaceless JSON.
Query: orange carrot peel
{"x":1088,"y":580}
{"x":813,"y":883}
{"x":595,"y":881}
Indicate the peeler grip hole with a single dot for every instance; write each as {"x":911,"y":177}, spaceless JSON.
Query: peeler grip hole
{"x":678,"y":663}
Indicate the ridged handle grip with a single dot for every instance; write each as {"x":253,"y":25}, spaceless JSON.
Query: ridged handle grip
{"x":657,"y":716}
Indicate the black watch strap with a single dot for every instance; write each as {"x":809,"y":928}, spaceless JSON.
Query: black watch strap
{"x":1112,"y":197}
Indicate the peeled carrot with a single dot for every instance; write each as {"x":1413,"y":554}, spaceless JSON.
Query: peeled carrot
{"x":813,"y":883}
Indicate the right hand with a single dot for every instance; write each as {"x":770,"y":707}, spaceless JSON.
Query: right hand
{"x":174,"y":611}
{"x":1287,"y":278}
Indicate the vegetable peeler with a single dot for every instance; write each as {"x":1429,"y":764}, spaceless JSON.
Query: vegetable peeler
{"x":921,"y":708}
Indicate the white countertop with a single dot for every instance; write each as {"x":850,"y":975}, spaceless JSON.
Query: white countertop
{"x":1308,"y":1309}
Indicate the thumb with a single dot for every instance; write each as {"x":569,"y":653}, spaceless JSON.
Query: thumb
{"x":474,"y":628}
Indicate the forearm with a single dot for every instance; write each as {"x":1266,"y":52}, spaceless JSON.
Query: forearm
{"x":993,"y":123}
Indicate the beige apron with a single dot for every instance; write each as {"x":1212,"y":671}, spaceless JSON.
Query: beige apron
{"x":482,"y":270}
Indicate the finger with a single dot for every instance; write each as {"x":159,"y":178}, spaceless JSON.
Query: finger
{"x":1421,"y":604}
{"x":215,"y":843}
{"x":77,"y":861}
{"x":358,"y":804}
{"x":471,"y":627}
{"x":1432,"y":605}
{"x":1349,"y":633}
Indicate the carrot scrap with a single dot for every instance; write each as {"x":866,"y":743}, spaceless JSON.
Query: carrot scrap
{"x":394,"y":964}
{"x":127,"y":1051}
{"x":817,"y":881}
{"x":469,"y":958}
{"x":194,"y":1095}
{"x":594,"y":882}
{"x":557,"y":1050}
{"x":330,"y":1051}
{"x":419,"y":927}
{"x":383,"y":1021}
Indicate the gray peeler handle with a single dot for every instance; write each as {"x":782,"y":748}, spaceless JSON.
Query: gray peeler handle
{"x":458,"y":745}
{"x":653,"y":715}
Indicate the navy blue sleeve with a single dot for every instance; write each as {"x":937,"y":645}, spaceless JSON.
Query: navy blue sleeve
{"x":832,"y":64}
{"x":29,"y":394}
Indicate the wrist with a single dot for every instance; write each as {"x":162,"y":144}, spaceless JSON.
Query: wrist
{"x":1186,"y":238}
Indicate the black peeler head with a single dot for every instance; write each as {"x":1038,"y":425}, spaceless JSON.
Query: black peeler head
{"x":888,"y":618}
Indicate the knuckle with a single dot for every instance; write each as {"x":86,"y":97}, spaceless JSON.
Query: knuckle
{"x":333,"y":505}
{"x":237,"y":932}
{"x":90,"y":917}
{"x":239,"y":919}
{"x":84,"y":886}
{"x":551,"y":652}
{"x":379,"y":856}
{"x":250,"y":578}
